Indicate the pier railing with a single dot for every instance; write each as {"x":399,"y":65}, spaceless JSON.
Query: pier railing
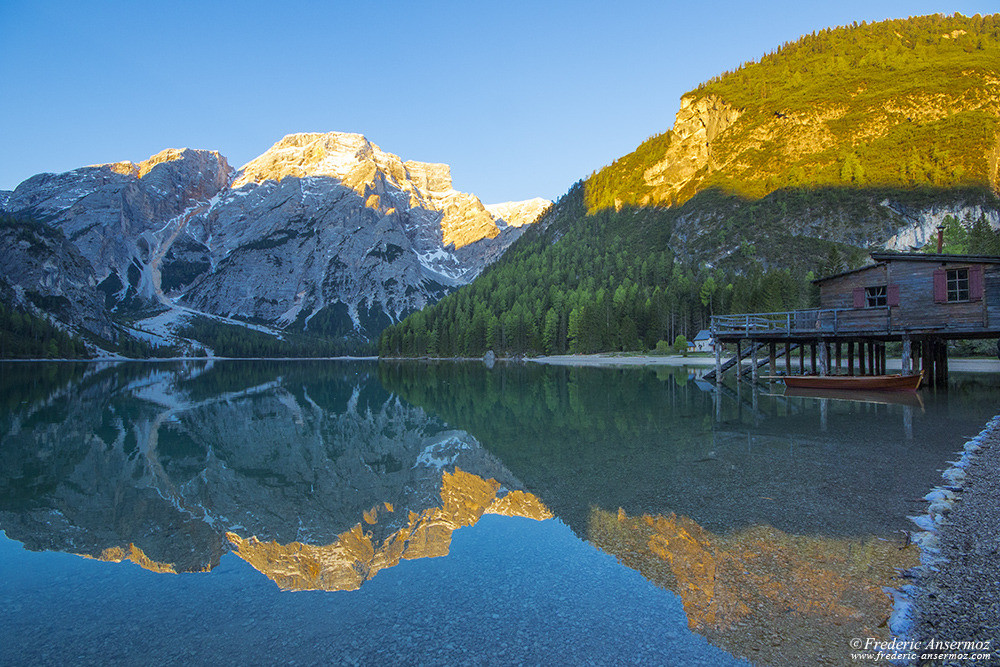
{"x":803,"y":322}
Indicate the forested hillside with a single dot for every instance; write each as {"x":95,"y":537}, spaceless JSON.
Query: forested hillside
{"x":25,"y":336}
{"x":909,"y":102}
{"x":848,"y":140}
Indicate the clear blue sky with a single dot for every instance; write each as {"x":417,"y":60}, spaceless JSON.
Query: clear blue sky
{"x":521,"y":98}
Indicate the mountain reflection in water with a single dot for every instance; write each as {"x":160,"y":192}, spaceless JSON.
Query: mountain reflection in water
{"x":776,"y":520}
{"x":318,"y":477}
{"x":759,"y":592}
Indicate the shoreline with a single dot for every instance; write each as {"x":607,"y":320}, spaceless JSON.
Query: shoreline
{"x":955,"y":594}
{"x":599,"y":359}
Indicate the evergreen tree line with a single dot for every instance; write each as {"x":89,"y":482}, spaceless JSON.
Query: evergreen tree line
{"x":26,"y":336}
{"x":967,"y":238}
{"x":228,"y":340}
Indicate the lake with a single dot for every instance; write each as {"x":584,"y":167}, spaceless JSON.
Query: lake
{"x":359,"y":512}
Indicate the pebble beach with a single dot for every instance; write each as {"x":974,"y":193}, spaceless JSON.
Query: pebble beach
{"x":956,"y":593}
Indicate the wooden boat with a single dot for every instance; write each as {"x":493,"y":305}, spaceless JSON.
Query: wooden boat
{"x":854,"y":382}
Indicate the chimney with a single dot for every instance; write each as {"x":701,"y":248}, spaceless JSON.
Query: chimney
{"x":940,"y":229}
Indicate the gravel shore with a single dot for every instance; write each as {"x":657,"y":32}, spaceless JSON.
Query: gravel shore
{"x":957,"y":591}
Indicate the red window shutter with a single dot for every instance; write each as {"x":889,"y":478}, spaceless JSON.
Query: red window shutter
{"x":940,"y":286}
{"x":859,"y":297}
{"x":975,"y":283}
{"x":892,"y":295}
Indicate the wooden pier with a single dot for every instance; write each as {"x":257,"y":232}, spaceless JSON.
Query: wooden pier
{"x":920,"y":300}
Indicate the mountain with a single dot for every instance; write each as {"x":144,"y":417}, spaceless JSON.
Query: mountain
{"x":848,"y":140}
{"x":323,"y":233}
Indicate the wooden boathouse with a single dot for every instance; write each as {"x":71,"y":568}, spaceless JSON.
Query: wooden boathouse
{"x":922,"y":300}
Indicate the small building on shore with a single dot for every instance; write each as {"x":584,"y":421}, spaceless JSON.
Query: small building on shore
{"x":703,"y":342}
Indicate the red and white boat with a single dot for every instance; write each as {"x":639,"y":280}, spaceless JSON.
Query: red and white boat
{"x":854,"y":382}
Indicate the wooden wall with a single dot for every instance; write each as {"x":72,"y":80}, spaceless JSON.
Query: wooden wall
{"x":839,"y":292}
{"x":917,"y":308}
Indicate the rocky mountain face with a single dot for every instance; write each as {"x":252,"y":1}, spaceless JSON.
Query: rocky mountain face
{"x":325,"y":225}
{"x":120,"y":216}
{"x":42,"y":270}
{"x":319,"y":478}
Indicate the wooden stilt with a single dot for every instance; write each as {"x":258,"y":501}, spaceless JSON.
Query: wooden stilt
{"x":836,"y":363}
{"x":944,"y":363}
{"x":861,"y":357}
{"x":927,"y":361}
{"x":788,"y":358}
{"x":850,"y":357}
{"x":772,"y":365}
{"x":812,"y":356}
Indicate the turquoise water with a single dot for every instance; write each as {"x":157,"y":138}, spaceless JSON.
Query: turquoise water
{"x":334,"y":512}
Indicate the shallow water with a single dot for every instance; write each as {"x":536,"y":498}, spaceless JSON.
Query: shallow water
{"x":324,"y":512}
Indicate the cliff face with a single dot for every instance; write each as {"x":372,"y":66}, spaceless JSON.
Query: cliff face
{"x":324,"y":224}
{"x":41,"y":271}
{"x":693,"y":148}
{"x":120,"y":215}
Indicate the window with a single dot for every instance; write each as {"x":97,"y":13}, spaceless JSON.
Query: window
{"x":958,"y":284}
{"x":875,"y":297}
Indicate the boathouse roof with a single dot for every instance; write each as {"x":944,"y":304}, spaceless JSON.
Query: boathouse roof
{"x":883,"y":257}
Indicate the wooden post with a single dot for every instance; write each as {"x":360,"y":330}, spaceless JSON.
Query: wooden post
{"x":824,"y":358}
{"x":881,"y":356}
{"x":812,"y":356}
{"x":927,"y":361}
{"x":753,"y":362}
{"x":940,"y":362}
{"x":850,"y":357}
{"x":739,"y":360}
{"x":871,"y":358}
{"x":935,"y":355}
{"x":907,"y":355}
{"x":861,"y":357}
{"x":718,"y":361}
{"x":772,"y":367}
{"x":944,"y":363}
{"x":837,"y":357}
{"x":802,"y":358}
{"x":788,"y":358}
